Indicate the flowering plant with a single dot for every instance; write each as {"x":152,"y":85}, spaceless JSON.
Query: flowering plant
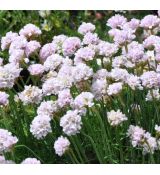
{"x":82,"y":99}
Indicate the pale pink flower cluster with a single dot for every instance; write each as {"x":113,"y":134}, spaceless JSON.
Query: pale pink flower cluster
{"x":47,"y":108}
{"x":141,"y":138}
{"x":47,"y":50}
{"x":150,"y":79}
{"x":85,"y":99}
{"x":61,"y":145}
{"x":30,"y":30}
{"x":52,"y":62}
{"x":30,"y":161}
{"x":64,"y":98}
{"x":107,"y":49}
{"x":150,"y":21}
{"x":8,"y":75}
{"x":7,"y":141}
{"x":70,"y":45}
{"x":36,"y":69}
{"x":90,"y":38}
{"x":116,"y":118}
{"x":4,"y":98}
{"x":32,"y":47}
{"x":7,"y":40}
{"x":85,"y":28}
{"x":84,"y":54}
{"x":71,"y":123}
{"x":31,"y":94}
{"x":115,"y":88}
{"x":41,"y":126}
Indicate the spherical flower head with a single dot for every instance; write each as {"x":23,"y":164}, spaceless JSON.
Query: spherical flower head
{"x":71,"y":123}
{"x":4,"y":98}
{"x":36,"y":69}
{"x":99,"y":88}
{"x":30,"y":30}
{"x":85,"y":54}
{"x":150,"y":144}
{"x":121,"y":37}
{"x":85,"y":99}
{"x":40,"y":126}
{"x":85,"y":28}
{"x":132,"y":24}
{"x":64,"y":98}
{"x":119,"y":74}
{"x":7,"y":40}
{"x":135,"y":52}
{"x":17,"y":56}
{"x":70,"y":45}
{"x":116,"y":21}
{"x":150,"y":22}
{"x":151,"y":41}
{"x":54,"y":85}
{"x":134,"y":82}
{"x":59,"y":39}
{"x":47,"y":50}
{"x":30,"y":161}
{"x":90,"y":38}
{"x":82,"y":72}
{"x":100,"y":74}
{"x":31,"y":94}
{"x":107,"y":49}
{"x":52,"y":62}
{"x":61,"y":145}
{"x":19,"y":42}
{"x":47,"y":108}
{"x":136,"y":135}
{"x":7,"y":141}
{"x":114,"y":89}
{"x":32,"y":47}
{"x":150,"y":79}
{"x":8,"y":75}
{"x":122,"y":61}
{"x":115,"y":118}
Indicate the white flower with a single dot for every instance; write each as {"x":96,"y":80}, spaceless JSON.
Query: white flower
{"x":99,"y":88}
{"x":85,"y":28}
{"x":85,"y":99}
{"x":61,"y":145}
{"x":31,"y":94}
{"x":71,"y":123}
{"x":30,"y":161}
{"x":82,"y":72}
{"x":116,"y":117}
{"x":4,"y":98}
{"x":30,"y":30}
{"x":52,"y":62}
{"x":114,"y":89}
{"x":64,"y":97}
{"x":7,"y":141}
{"x":36,"y":69}
{"x":8,"y":74}
{"x":40,"y":126}
{"x":47,"y":108}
